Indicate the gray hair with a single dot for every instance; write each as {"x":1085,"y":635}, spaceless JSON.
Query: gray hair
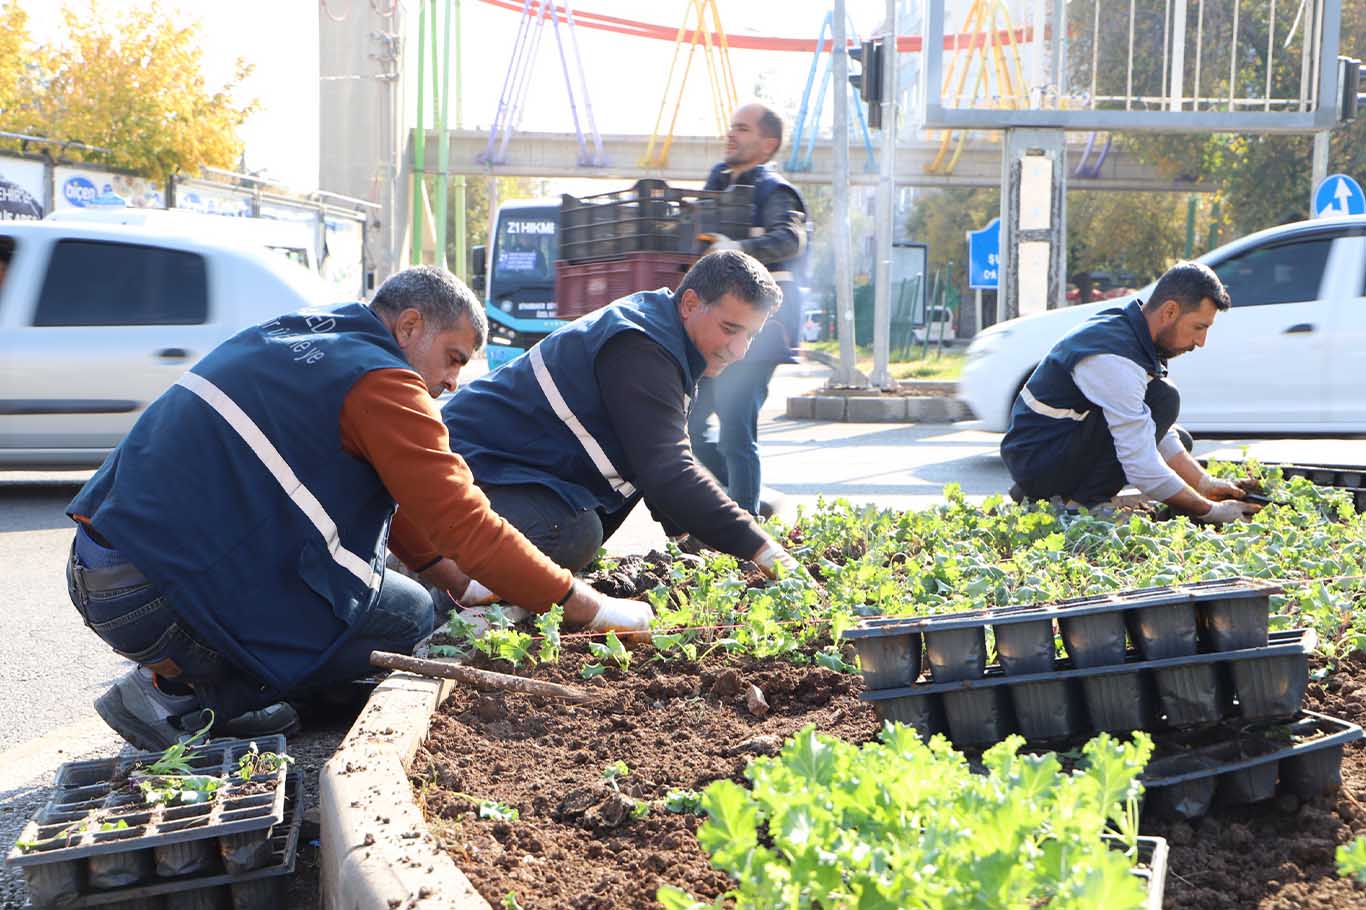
{"x":732,"y":272}
{"x":439,"y":296}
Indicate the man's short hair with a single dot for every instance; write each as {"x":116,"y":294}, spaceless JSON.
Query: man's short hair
{"x":771,"y":126}
{"x":732,"y":272}
{"x":1188,"y":283}
{"x":439,"y":296}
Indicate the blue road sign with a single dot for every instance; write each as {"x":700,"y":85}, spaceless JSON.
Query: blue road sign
{"x":1339,"y":194}
{"x":984,"y":256}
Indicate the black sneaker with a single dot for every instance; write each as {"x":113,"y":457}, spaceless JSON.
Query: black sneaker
{"x":277,"y":719}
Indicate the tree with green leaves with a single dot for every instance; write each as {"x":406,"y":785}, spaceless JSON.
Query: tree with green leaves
{"x":130,"y":81}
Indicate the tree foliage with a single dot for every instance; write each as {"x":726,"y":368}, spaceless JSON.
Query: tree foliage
{"x":1257,"y":181}
{"x":13,"y":40}
{"x":130,"y":81}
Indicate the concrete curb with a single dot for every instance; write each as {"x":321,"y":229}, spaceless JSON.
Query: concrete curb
{"x":377,"y":853}
{"x":878,"y":409}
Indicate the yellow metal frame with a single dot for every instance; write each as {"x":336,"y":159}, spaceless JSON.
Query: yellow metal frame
{"x":983,"y":18}
{"x":720,"y":75}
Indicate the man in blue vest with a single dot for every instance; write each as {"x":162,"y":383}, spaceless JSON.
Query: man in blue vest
{"x":1099,"y":411}
{"x":567,"y":438}
{"x":233,"y":545}
{"x":777,"y":238}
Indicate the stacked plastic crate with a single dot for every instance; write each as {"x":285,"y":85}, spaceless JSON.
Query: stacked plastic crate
{"x":638,"y":239}
{"x":1193,"y":664}
{"x":98,"y":841}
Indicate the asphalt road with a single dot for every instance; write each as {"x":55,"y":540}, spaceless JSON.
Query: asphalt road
{"x":52,"y":667}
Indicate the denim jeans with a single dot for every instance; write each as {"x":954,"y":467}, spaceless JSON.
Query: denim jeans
{"x":1089,"y":470}
{"x":569,"y":536}
{"x":134,"y":618}
{"x":735,"y":397}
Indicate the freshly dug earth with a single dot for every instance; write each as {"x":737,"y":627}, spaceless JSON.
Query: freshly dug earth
{"x":683,"y":725}
{"x":1278,"y":855}
{"x":575,"y":845}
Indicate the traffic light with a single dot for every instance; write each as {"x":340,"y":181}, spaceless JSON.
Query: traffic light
{"x":869,"y":82}
{"x":1349,"y":88}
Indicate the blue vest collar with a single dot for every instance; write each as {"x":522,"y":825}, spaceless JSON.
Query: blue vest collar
{"x":1133,"y":314}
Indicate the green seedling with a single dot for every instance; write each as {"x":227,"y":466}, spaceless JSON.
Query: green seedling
{"x":510,"y":901}
{"x":490,"y":808}
{"x":611,"y":649}
{"x":1351,"y":859}
{"x":254,"y":762}
{"x":684,"y":802}
{"x":613,"y":771}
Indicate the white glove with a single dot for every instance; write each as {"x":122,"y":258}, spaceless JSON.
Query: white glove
{"x":772,"y":556}
{"x":1226,"y":511}
{"x":618,"y":615}
{"x":476,"y":595}
{"x":722,"y":242}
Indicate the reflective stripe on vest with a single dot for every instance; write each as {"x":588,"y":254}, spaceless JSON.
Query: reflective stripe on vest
{"x":1047,"y":410}
{"x":275,"y":463}
{"x":561,"y":408}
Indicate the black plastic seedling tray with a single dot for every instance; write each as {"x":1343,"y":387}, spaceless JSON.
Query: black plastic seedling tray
{"x":1193,"y":690}
{"x":97,"y":832}
{"x":1165,"y":622}
{"x":260,"y":889}
{"x":1244,"y":764}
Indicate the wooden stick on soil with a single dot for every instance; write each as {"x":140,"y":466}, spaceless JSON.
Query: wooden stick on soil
{"x":480,"y":679}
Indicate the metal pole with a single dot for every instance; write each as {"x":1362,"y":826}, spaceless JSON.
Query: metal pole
{"x":846,"y":374}
{"x":886,"y":212}
{"x":419,"y":141}
{"x":443,"y":151}
{"x":461,"y":241}
{"x":1319,"y":171}
{"x":977,"y":310}
{"x":1177,"y":90}
{"x":1190,"y":227}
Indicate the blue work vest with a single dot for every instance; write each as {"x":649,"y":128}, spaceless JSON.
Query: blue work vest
{"x":539,"y":419}
{"x":1050,"y":406}
{"x":232,"y":493}
{"x":781,"y":336}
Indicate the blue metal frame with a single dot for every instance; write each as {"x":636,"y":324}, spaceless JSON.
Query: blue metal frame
{"x":799,"y":160}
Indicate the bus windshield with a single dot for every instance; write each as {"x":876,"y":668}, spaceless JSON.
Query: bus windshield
{"x":522,"y":274}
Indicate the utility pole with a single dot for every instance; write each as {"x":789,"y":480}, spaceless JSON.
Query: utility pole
{"x":461,"y":253}
{"x":846,"y":374}
{"x":886,"y":210}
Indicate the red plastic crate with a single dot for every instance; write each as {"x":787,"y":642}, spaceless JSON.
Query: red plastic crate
{"x":587,"y":286}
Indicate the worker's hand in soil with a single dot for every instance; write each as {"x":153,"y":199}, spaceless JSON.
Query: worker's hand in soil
{"x":1216,"y":490}
{"x":774,"y":561}
{"x":596,"y":612}
{"x":1228,"y":510}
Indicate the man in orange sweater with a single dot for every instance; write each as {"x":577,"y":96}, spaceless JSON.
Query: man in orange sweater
{"x":294,"y":442}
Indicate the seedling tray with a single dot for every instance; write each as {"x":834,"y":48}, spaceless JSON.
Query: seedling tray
{"x":1164,"y":622}
{"x":79,"y":850}
{"x":261,"y":889}
{"x":1152,"y":858}
{"x":1240,"y":764}
{"x":1197,"y":689}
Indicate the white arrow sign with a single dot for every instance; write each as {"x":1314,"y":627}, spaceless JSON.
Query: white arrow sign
{"x":1339,"y":194}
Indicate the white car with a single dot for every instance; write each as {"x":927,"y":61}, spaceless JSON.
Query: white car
{"x":1290,"y":356}
{"x":97,"y":320}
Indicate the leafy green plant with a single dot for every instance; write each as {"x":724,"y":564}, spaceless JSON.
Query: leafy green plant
{"x":684,"y":802}
{"x":497,"y":811}
{"x":1351,"y":859}
{"x":548,"y":624}
{"x":254,"y":762}
{"x":507,"y":644}
{"x":510,"y":901}
{"x":833,"y":825}
{"x":613,"y":771}
{"x":611,"y":649}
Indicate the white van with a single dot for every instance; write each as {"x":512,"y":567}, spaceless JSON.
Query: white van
{"x":293,"y":240}
{"x":97,"y":320}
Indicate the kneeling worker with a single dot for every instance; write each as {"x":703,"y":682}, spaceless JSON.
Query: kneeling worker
{"x":1099,"y":410}
{"x":567,"y":438}
{"x":233,"y":545}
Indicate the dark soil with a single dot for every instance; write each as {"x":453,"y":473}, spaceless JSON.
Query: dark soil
{"x":682,"y":725}
{"x":1278,"y":855}
{"x":575,"y":845}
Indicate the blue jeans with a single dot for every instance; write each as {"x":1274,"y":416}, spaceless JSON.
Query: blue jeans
{"x":134,"y":618}
{"x":735,"y":397}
